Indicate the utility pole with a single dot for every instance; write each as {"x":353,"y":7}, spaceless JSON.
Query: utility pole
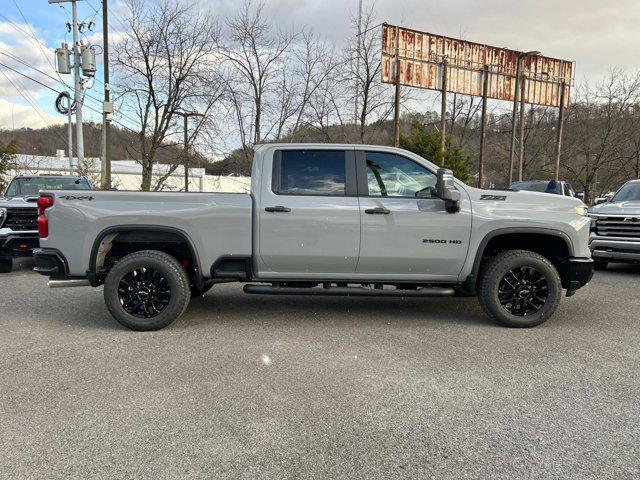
{"x":516,"y":99}
{"x":82,"y":59}
{"x":78,"y":85}
{"x":70,"y":133}
{"x":107,"y":106}
{"x":185,"y":116}
{"x":443,"y":111}
{"x":396,"y":108}
{"x":521,"y":127}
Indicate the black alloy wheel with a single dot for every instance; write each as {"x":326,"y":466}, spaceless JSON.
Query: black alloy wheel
{"x":523,"y":291}
{"x":144,"y":292}
{"x":519,"y":288}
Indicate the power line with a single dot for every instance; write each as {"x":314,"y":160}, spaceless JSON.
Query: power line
{"x":31,"y":103}
{"x":33,"y":35}
{"x":4,"y":52}
{"x":58,"y":92}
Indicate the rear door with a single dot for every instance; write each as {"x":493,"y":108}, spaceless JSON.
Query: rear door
{"x":309,"y":216}
{"x":406,"y":229}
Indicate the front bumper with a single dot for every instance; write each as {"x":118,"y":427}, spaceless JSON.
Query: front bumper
{"x":610,"y":250}
{"x":18,"y":244}
{"x":579,"y":273}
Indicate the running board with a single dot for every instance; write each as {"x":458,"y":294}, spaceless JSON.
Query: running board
{"x":349,"y":291}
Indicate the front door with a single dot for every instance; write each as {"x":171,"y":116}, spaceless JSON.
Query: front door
{"x":309,"y":217}
{"x":406,"y":229}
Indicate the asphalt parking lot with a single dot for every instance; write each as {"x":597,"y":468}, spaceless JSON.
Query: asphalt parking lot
{"x":305,"y":387}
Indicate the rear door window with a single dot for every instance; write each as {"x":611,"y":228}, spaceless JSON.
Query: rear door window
{"x":310,"y":172}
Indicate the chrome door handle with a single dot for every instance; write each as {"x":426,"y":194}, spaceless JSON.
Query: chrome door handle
{"x":277,"y":208}
{"x":377,"y":211}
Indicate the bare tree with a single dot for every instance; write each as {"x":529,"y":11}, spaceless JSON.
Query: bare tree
{"x":595,"y":132}
{"x":254,"y":55}
{"x":164,"y":65}
{"x":374,"y":100}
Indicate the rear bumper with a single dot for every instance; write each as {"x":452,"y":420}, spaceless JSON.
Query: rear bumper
{"x":609,"y":250}
{"x":580,"y":272}
{"x":18,"y":244}
{"x":50,"y":262}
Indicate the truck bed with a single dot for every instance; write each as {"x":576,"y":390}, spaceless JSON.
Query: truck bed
{"x":217,"y":224}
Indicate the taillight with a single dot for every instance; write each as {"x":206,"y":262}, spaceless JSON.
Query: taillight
{"x":43,"y":223}
{"x":44,"y":203}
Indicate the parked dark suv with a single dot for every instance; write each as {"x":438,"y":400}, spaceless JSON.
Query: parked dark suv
{"x":19,"y":213}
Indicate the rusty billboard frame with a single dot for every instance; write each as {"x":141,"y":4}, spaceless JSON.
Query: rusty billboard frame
{"x":423,"y":55}
{"x":420,"y":59}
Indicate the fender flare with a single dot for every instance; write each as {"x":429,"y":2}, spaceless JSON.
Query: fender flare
{"x":91,"y":272}
{"x":510,"y":230}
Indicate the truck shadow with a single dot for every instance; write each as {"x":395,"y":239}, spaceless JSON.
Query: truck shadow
{"x":222,"y":305}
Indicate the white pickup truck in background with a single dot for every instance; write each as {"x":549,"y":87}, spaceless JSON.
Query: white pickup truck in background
{"x":320,"y":220}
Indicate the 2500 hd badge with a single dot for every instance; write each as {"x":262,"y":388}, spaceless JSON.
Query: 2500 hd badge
{"x":435,"y":240}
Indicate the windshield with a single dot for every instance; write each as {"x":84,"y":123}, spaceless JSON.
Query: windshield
{"x":628,"y":193}
{"x":544,"y":187}
{"x":30,"y":186}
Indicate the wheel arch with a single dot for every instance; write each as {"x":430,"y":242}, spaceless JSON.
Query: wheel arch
{"x":558,"y":248}
{"x":143,"y":233}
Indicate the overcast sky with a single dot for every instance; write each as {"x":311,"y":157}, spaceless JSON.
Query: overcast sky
{"x":598,"y":35}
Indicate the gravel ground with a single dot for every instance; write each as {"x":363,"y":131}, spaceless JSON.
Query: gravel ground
{"x":305,"y":387}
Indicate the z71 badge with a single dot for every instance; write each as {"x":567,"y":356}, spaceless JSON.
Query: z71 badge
{"x":493,"y":197}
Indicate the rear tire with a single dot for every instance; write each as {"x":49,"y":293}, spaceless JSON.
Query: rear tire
{"x":6,"y":264}
{"x":147,"y":290}
{"x":519,"y":288}
{"x":598,"y":265}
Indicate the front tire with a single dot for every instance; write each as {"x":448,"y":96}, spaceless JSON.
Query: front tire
{"x":519,"y":288}
{"x":147,"y":290}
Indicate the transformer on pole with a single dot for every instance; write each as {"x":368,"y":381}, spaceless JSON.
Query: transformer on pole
{"x":83,"y":60}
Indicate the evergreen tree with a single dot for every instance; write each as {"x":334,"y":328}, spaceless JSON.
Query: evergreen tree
{"x":426,"y":143}
{"x":7,"y":154}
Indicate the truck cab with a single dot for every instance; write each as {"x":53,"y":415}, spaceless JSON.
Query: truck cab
{"x":321,"y":220}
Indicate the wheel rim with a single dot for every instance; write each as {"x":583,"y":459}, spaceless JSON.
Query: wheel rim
{"x":523,"y":291}
{"x":144,"y":292}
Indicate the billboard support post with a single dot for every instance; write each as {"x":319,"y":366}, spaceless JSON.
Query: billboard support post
{"x":516,"y":95}
{"x":559,"y":131}
{"x":521,"y":124}
{"x":443,"y":111}
{"x":396,"y":112}
{"x":483,"y":125}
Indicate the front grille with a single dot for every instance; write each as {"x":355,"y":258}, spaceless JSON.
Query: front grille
{"x":618,"y":226}
{"x":21,"y":219}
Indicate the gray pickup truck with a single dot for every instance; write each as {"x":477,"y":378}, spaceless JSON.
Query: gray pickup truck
{"x":320,"y":220}
{"x":615,"y":228}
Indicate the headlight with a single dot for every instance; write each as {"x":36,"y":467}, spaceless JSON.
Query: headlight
{"x":580,"y":211}
{"x":3,"y":215}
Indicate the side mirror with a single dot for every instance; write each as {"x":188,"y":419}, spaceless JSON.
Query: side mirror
{"x":580,"y":195}
{"x":446,"y":190}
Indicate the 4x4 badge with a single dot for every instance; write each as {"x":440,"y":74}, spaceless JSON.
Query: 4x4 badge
{"x":72,"y":197}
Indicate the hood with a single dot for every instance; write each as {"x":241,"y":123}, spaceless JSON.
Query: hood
{"x":618,"y":208}
{"x":19,"y":202}
{"x":524,"y":197}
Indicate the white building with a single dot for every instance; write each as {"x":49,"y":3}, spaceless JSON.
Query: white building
{"x":127,"y":174}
